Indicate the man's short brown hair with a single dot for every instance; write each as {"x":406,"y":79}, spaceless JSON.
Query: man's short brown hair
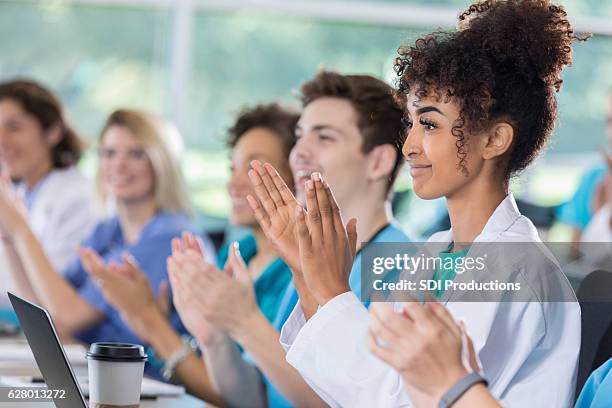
{"x":379,"y":117}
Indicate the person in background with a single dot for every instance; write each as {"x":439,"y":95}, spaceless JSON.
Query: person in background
{"x":258,"y":134}
{"x":261,"y":132}
{"x":39,"y":152}
{"x":590,"y":195}
{"x":140,"y":178}
{"x":595,"y":242}
{"x":349,"y":130}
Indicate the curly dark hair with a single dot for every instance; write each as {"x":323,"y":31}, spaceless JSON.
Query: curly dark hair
{"x":504,"y":62}
{"x":379,"y":114}
{"x":45,"y":107}
{"x":271,"y":116}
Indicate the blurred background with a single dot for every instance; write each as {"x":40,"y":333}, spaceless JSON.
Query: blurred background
{"x":197,"y":62}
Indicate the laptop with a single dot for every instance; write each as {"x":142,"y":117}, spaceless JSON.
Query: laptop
{"x":53,"y":363}
{"x":48,"y":352}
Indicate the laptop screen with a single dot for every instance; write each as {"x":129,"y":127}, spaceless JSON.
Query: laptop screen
{"x":48,"y":352}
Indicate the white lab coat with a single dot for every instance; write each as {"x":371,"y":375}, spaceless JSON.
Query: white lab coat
{"x":528,"y":350}
{"x":61,"y":216}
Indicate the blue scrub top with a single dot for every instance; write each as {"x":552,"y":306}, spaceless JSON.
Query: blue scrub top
{"x":271,"y":282}
{"x":578,"y":211}
{"x":151,"y":251}
{"x":390,"y":233}
{"x":597,"y":392}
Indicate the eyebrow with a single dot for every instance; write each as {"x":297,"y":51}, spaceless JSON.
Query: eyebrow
{"x":318,"y":128}
{"x":14,"y":119}
{"x":258,"y":156}
{"x":426,"y":109}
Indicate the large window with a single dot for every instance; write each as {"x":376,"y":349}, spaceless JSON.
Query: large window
{"x":199,"y":65}
{"x":96,"y":58}
{"x":243,"y":59}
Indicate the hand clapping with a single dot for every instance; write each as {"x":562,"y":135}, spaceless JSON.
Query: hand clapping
{"x":274,"y":210}
{"x":327,"y":248}
{"x":207,"y":299}
{"x":127,"y":289}
{"x":424,"y":344}
{"x":315,"y":244}
{"x":185,"y":267}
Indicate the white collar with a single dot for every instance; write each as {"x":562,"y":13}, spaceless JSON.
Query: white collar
{"x":503,"y":219}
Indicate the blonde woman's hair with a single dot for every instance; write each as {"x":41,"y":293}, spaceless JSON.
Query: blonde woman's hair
{"x":163,"y":145}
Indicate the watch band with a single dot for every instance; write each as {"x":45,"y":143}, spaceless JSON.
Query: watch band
{"x":460,"y":388}
{"x":176,"y":358}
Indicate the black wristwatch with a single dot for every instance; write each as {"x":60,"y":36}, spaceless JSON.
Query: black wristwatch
{"x":460,"y":388}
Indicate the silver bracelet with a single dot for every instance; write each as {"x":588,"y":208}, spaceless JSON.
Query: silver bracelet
{"x":176,"y":358}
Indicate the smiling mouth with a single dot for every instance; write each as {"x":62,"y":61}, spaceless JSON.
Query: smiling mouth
{"x":301,"y":176}
{"x":120,"y":180}
{"x":418,"y":170}
{"x":239,"y":202}
{"x":9,"y":157}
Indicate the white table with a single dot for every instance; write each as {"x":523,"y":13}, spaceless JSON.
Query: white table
{"x":10,"y":367}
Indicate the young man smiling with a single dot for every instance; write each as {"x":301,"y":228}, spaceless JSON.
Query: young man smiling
{"x":349,"y":132}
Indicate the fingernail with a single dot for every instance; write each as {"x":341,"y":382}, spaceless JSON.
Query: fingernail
{"x":237,"y":248}
{"x":316,"y":176}
{"x":309,"y":185}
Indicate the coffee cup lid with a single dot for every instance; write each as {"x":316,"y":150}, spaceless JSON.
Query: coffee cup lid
{"x":123,"y":352}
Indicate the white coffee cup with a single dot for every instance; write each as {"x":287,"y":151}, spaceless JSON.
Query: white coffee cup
{"x":115,"y":374}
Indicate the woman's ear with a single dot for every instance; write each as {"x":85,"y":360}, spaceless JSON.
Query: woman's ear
{"x":54,"y":135}
{"x":381,"y":161}
{"x":499,"y":140}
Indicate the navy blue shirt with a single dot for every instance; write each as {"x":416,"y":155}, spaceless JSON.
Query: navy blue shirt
{"x":151,"y":251}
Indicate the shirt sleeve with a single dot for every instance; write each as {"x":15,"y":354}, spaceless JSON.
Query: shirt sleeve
{"x":330,"y":351}
{"x":70,"y":224}
{"x":292,"y":326}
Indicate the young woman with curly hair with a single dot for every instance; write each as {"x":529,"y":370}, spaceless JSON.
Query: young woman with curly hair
{"x":479,"y":106}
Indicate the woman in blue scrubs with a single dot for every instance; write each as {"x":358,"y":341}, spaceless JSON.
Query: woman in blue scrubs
{"x":139,"y":178}
{"x":263,"y":132}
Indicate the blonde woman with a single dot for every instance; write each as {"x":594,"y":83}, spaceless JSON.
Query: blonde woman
{"x":140,"y":175}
